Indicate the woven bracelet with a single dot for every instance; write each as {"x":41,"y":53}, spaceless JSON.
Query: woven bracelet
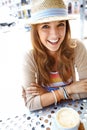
{"x":54,"y":97}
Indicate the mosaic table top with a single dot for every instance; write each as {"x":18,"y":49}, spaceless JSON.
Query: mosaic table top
{"x":43,"y":119}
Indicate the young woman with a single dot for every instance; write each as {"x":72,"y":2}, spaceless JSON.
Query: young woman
{"x":49,"y":68}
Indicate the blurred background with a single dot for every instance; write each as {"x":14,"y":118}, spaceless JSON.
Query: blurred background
{"x":15,"y":41}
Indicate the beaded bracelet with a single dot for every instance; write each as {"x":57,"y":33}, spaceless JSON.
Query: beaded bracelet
{"x":54,"y":97}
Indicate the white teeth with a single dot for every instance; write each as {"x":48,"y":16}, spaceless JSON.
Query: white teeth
{"x":53,"y":41}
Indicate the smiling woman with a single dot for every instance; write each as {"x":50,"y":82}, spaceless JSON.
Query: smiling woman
{"x":53,"y":59}
{"x":52,"y":34}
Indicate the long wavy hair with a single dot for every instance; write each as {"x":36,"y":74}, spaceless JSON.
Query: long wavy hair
{"x":45,"y":62}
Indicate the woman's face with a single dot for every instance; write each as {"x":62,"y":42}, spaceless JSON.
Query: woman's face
{"x":52,"y":34}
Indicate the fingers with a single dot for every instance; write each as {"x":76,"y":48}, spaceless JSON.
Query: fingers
{"x":35,"y":94}
{"x":31,"y":90}
{"x":34,"y":89}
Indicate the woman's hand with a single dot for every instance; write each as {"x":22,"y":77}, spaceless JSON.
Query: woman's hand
{"x":34,"y":89}
{"x":77,"y":87}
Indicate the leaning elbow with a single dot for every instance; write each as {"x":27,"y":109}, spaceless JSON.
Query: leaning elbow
{"x":30,"y":106}
{"x":34,"y":104}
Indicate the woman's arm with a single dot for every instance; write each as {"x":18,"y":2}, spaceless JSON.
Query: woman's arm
{"x":77,"y":87}
{"x":80,"y":62}
{"x":47,"y":98}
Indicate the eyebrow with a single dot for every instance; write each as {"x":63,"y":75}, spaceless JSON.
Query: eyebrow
{"x":45,"y":23}
{"x":62,"y":21}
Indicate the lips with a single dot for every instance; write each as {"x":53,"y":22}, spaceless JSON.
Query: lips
{"x":53,"y":41}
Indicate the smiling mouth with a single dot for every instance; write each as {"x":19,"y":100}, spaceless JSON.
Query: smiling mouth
{"x":53,"y":41}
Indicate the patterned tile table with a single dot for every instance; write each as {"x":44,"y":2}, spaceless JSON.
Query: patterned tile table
{"x":43,"y":119}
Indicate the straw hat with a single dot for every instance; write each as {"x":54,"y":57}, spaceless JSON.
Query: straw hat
{"x":48,"y":10}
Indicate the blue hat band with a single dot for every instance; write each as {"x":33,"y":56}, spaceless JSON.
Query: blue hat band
{"x":49,"y":13}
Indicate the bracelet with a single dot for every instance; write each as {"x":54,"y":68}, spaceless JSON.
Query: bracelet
{"x":66,"y":95}
{"x":58,"y":95}
{"x":54,"y":97}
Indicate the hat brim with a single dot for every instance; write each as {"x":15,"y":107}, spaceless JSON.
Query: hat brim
{"x":52,"y":18}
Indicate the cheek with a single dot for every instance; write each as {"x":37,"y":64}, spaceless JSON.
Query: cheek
{"x":63,"y":32}
{"x":42,"y":36}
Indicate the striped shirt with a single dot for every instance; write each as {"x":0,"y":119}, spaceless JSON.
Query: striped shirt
{"x":56,"y":81}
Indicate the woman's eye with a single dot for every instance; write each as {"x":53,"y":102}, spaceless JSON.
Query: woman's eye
{"x":45,"y":26}
{"x":61,"y":25}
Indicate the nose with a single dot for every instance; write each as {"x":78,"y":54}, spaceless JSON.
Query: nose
{"x":54,"y":32}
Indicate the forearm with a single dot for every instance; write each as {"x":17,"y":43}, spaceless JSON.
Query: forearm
{"x":33,"y":102}
{"x":48,"y":98}
{"x":77,"y":90}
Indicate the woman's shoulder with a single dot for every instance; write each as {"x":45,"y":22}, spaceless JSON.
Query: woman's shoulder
{"x":29,"y":59}
{"x":79,"y":45}
{"x":28,"y":54}
{"x":80,"y":50}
